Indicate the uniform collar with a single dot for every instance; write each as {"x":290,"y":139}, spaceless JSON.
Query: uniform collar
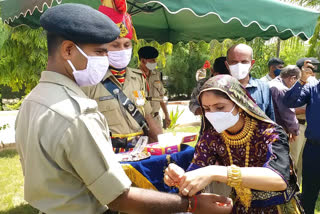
{"x":60,"y":79}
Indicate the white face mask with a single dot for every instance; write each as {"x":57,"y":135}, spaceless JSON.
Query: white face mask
{"x":120,"y":59}
{"x":239,"y":71}
{"x":151,"y":66}
{"x":97,"y":67}
{"x":222,"y":120}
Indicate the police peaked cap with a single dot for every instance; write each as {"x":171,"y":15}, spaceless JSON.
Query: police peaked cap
{"x":148,"y":52}
{"x":79,"y":23}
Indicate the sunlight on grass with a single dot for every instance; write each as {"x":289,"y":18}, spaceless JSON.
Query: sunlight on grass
{"x":11,"y":185}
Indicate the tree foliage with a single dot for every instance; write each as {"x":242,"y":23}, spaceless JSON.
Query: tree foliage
{"x":23,"y":56}
{"x":182,"y":65}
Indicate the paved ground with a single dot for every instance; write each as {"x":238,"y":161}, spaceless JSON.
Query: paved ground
{"x":8,"y":117}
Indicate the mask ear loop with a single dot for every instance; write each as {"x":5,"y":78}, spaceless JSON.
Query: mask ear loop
{"x":232,"y":108}
{"x":71,"y":65}
{"x":81,"y":51}
{"x":239,"y":111}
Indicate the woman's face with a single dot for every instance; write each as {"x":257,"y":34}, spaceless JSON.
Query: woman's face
{"x":119,"y":44}
{"x":215,"y":103}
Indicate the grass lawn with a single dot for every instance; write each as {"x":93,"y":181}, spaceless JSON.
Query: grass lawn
{"x":11,"y":182}
{"x":11,"y":185}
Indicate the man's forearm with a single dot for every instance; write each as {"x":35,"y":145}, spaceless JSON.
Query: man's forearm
{"x":292,"y":97}
{"x":154,"y":128}
{"x":164,"y":109}
{"x":141,"y":201}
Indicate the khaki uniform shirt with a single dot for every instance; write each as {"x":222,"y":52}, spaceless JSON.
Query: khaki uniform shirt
{"x":156,"y":90}
{"x":119,"y":120}
{"x":65,"y":150}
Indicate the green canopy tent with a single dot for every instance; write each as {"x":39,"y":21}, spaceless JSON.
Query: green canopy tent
{"x":187,"y":20}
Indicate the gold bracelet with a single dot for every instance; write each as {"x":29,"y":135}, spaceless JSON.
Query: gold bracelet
{"x":234,"y":178}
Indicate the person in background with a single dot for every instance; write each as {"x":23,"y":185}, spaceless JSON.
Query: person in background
{"x":286,"y":117}
{"x":300,"y":94}
{"x":219,"y":67}
{"x":155,"y":89}
{"x":127,"y":120}
{"x":239,"y":62}
{"x":274,"y":65}
{"x":202,"y":72}
{"x":301,"y":116}
{"x":312,"y":79}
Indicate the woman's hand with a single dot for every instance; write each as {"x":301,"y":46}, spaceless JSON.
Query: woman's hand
{"x":194,"y":181}
{"x":173,"y":174}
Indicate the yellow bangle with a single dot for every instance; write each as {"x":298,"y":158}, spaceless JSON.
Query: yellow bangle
{"x":234,"y":178}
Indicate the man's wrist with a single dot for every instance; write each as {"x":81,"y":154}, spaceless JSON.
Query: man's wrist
{"x":192,"y":204}
{"x":302,"y":81}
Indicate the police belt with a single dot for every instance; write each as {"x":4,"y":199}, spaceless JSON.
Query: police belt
{"x":117,"y":93}
{"x":121,"y":145}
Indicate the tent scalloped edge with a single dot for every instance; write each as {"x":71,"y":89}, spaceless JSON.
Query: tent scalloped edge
{"x":25,"y":13}
{"x":232,"y":18}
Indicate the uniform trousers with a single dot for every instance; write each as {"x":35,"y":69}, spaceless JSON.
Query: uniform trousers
{"x":310,"y":176}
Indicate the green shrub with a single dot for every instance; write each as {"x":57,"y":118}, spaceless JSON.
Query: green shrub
{"x":5,"y":126}
{"x":174,"y":116}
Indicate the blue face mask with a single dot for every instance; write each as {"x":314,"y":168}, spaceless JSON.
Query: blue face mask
{"x":277,"y":72}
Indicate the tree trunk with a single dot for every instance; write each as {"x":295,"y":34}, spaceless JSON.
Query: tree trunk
{"x":278,"y":47}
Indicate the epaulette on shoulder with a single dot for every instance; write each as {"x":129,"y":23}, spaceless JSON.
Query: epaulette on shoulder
{"x":138,"y":71}
{"x":85,"y":104}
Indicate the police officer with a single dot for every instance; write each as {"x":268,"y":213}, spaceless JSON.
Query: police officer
{"x":124,"y":121}
{"x":63,"y":140}
{"x":155,"y":89}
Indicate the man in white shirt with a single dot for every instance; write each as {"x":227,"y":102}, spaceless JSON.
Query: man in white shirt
{"x":275,"y":65}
